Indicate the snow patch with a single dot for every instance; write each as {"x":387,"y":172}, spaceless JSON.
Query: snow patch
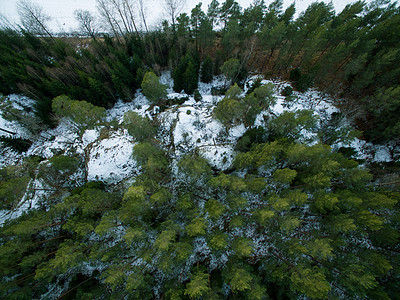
{"x":111,"y":159}
{"x":89,"y":136}
{"x":382,"y":154}
{"x":35,"y":191}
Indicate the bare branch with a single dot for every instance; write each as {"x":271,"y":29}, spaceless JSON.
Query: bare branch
{"x":142,"y":11}
{"x":33,"y":18}
{"x":173,"y":8}
{"x":86,"y":22}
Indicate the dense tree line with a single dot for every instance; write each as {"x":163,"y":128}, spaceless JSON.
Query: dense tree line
{"x":42,"y":69}
{"x":353,"y":53}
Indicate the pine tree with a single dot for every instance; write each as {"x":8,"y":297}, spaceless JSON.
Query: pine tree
{"x":141,"y":128}
{"x":207,"y":70}
{"x":152,"y":88}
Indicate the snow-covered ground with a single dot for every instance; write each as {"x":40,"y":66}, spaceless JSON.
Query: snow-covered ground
{"x":110,"y":159}
{"x":190,"y":127}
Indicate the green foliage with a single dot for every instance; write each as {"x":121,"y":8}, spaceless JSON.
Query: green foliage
{"x":321,"y":248}
{"x":231,"y":69}
{"x":197,"y":286}
{"x":14,"y":182}
{"x":194,"y":167}
{"x":242,"y":247}
{"x":152,"y":88}
{"x":18,"y":144}
{"x":239,"y":279}
{"x":234,"y":108}
{"x":301,"y":220}
{"x":214,"y":209}
{"x":186,"y":74}
{"x":152,"y":159}
{"x":251,"y":137}
{"x":63,"y":163}
{"x":164,"y":240}
{"x":82,"y":113}
{"x":234,"y":92}
{"x":197,"y":96}
{"x":207,"y":70}
{"x":287,"y":91}
{"x":264,"y":95}
{"x":191,"y":78}
{"x":141,"y":128}
{"x":219,"y":242}
{"x":254,"y":85}
{"x":12,"y":190}
{"x":196,"y":227}
{"x":290,"y":124}
{"x":285,"y":175}
{"x":311,"y":282}
{"x":57,"y":170}
{"x":229,"y":111}
{"x":46,"y":68}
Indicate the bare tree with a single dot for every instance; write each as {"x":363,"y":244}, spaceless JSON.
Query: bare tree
{"x":128,"y":12}
{"x":173,"y":9}
{"x":107,"y":14}
{"x":33,"y":18}
{"x":142,"y":9}
{"x":86,"y":22}
{"x":5,"y":23}
{"x":119,"y":15}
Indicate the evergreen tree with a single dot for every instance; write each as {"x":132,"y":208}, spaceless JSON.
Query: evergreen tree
{"x":186,"y":75}
{"x":81,"y":113}
{"x":141,"y":128}
{"x":231,"y":69}
{"x":152,"y":88}
{"x":207,"y":70}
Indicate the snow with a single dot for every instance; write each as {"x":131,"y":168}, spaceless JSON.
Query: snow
{"x":279,"y":107}
{"x":89,"y":136}
{"x":186,"y":128}
{"x":54,"y":141}
{"x":193,"y":127}
{"x":30,"y":200}
{"x":7,"y":125}
{"x":139,"y":105}
{"x":111,"y":159}
{"x":382,"y":154}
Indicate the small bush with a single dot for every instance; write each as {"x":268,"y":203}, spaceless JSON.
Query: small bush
{"x":141,"y":128}
{"x":63,"y":163}
{"x":251,"y":137}
{"x":215,"y":91}
{"x":348,"y":152}
{"x":305,"y":82}
{"x":230,"y":69}
{"x":287,"y":91}
{"x":229,"y":111}
{"x":253,"y":86}
{"x":302,"y":81}
{"x":152,"y":88}
{"x":197,"y":96}
{"x":176,"y":100}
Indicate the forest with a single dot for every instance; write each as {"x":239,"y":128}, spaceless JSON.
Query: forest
{"x":218,"y":155}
